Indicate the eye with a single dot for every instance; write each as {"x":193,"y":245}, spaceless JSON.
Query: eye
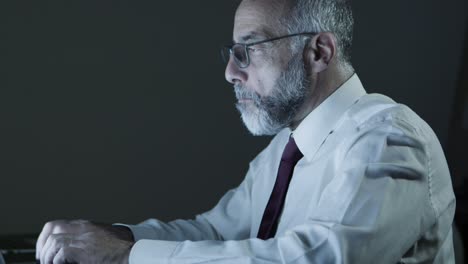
{"x":252,"y":49}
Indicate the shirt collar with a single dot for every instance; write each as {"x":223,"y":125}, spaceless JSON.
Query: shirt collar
{"x":319,"y":123}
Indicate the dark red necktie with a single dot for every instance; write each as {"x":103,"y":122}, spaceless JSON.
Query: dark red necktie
{"x":291,"y":155}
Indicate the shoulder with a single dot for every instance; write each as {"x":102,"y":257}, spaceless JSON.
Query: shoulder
{"x":374,"y":111}
{"x":376,"y":125}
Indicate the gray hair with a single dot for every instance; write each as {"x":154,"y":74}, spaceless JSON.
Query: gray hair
{"x":333,"y":16}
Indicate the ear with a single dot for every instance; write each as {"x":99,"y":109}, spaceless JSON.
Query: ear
{"x":319,"y":52}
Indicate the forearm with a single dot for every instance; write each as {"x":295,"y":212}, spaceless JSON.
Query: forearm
{"x":177,"y":230}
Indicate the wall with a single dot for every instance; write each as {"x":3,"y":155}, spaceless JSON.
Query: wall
{"x":118,"y":111}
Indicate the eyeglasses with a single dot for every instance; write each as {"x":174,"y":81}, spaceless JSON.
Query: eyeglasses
{"x":240,"y":51}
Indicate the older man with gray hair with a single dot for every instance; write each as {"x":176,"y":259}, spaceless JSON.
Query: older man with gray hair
{"x":349,"y":177}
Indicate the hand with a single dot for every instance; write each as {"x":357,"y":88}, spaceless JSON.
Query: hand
{"x":82,"y":241}
{"x":92,"y":247}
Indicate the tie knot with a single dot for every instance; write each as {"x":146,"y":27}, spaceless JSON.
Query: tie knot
{"x":291,"y":152}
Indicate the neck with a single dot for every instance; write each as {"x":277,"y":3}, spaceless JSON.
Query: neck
{"x":321,"y":87}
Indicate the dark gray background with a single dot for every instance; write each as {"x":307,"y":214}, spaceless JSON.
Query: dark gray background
{"x":118,"y":111}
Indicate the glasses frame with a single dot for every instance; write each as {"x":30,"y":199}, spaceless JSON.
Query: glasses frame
{"x":247,"y":45}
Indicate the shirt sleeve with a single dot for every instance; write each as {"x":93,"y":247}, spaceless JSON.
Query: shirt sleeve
{"x":379,"y":202}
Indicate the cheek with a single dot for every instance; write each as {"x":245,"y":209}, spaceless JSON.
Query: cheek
{"x":264,"y":80}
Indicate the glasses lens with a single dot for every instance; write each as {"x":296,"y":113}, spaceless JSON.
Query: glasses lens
{"x":225,"y":53}
{"x":240,"y":55}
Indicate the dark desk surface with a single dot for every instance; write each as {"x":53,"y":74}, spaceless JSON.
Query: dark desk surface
{"x":18,"y":249}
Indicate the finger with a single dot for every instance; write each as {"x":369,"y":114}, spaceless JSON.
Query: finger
{"x":41,"y":240}
{"x":49,"y":250}
{"x":69,"y":255}
{"x":53,"y":245}
{"x":46,"y":246}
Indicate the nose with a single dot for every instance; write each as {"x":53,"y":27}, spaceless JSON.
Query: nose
{"x":233,"y":73}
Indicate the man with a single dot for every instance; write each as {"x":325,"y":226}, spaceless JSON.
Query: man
{"x":366,"y":178}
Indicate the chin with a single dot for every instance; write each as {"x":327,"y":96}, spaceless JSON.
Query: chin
{"x":258,"y":125}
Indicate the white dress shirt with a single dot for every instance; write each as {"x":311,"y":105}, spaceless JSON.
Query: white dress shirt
{"x":373,"y":187}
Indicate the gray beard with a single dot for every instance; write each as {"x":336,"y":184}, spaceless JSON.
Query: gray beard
{"x":270,"y":114}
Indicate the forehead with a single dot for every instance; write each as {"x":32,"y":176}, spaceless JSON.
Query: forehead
{"x":257,"y":19}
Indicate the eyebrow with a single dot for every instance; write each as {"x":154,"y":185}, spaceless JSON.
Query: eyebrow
{"x":253,"y":35}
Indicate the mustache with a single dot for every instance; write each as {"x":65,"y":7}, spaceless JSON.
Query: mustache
{"x":242,"y":92}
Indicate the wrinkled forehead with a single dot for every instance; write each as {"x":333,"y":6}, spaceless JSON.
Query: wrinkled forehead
{"x":258,"y":19}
